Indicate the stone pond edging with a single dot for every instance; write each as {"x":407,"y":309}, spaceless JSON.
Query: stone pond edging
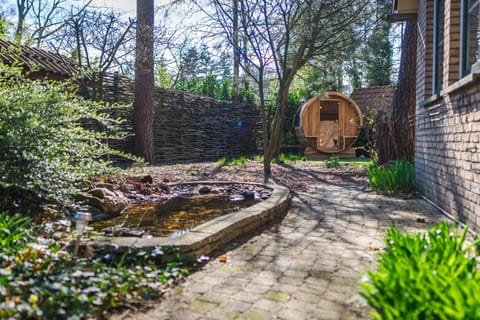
{"x":209,"y":236}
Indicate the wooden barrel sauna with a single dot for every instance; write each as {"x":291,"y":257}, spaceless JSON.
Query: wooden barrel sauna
{"x":329,"y":124}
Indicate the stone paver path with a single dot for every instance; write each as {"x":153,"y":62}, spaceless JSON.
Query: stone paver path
{"x":306,"y":267}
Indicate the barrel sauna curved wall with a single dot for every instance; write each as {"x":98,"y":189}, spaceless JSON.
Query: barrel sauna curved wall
{"x":328,"y":124}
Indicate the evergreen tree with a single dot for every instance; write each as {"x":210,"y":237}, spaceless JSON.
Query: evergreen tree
{"x":379,"y":52}
{"x":379,"y":61}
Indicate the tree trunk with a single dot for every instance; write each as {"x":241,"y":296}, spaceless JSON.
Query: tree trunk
{"x":278,"y":123}
{"x":144,"y":81}
{"x":387,"y":150}
{"x":405,"y":95}
{"x":402,"y":140}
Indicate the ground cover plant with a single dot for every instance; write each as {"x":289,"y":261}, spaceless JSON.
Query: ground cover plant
{"x":425,"y":276}
{"x":41,"y":279}
{"x":333,"y":162}
{"x":397,"y":177}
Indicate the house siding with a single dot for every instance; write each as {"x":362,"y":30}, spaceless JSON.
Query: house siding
{"x":447,"y":149}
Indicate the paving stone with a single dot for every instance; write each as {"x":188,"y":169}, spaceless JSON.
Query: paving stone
{"x":201,"y":306}
{"x":277,"y":296}
{"x":307,"y":267}
{"x":289,"y":314}
{"x":256,"y":314}
{"x":270,"y":306}
{"x":236,"y":305}
{"x":257,"y":287}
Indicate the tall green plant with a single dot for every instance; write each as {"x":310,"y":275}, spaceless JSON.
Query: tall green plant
{"x":424,"y":276}
{"x":398,"y":177}
{"x":45,"y":148}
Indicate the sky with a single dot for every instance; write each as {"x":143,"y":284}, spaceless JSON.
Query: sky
{"x":129,"y":6}
{"x":123,"y":5}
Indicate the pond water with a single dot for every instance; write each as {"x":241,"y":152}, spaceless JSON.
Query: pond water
{"x":174,"y":216}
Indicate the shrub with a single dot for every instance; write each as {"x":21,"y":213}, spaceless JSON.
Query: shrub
{"x":424,"y":276}
{"x":398,"y":177}
{"x":45,"y":152}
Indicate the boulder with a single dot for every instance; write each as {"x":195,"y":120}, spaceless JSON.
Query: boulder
{"x":204,"y":190}
{"x":109,"y":202}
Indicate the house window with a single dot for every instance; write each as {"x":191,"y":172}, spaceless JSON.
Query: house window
{"x":438,"y":42}
{"x":470,"y":36}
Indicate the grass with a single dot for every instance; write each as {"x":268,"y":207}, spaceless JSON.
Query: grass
{"x":356,"y":163}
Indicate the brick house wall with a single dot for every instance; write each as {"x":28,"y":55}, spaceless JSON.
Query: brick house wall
{"x":447,"y":142}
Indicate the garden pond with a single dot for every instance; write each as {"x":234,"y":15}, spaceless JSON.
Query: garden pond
{"x":183,"y":208}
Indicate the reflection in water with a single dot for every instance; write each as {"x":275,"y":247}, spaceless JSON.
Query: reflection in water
{"x":172,"y":217}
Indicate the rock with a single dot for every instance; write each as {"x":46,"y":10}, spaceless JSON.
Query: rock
{"x":89,"y":199}
{"x":127,"y":188}
{"x":93,"y":210}
{"x":101,"y":192}
{"x":204,"y":190}
{"x":248,"y":195}
{"x":163,"y":187}
{"x":147,"y":179}
{"x":108,"y":186}
{"x":114,"y":204}
{"x":109,"y":202}
{"x":236,"y":197}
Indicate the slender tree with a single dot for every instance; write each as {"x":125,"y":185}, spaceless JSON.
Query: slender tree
{"x":284,"y":36}
{"x":144,"y":81}
{"x":302,"y":31}
{"x":41,"y":18}
{"x":236,"y":53}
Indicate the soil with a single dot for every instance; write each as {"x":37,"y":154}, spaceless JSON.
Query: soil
{"x":296,"y":176}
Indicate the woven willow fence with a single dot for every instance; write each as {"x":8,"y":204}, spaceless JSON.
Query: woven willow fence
{"x":186,"y":127}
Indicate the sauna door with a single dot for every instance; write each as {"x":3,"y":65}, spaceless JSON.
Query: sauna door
{"x":328,"y":135}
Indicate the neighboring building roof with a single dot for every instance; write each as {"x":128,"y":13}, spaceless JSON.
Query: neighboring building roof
{"x":40,"y":63}
{"x":374,"y":99}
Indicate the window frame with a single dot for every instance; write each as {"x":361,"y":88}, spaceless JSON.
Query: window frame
{"x":465,"y":66}
{"x":438,"y":45}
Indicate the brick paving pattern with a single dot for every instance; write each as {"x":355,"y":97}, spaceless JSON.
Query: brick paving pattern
{"x":308,"y":266}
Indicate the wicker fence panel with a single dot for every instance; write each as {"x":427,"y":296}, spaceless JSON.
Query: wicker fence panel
{"x":186,"y":127}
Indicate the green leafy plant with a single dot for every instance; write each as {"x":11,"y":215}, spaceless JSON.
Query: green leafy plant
{"x":222,"y":161}
{"x":241,"y":161}
{"x":14,"y":233}
{"x":288,"y":158}
{"x":40,"y":279}
{"x":46,"y":147}
{"x":398,"y":177}
{"x":424,"y":276}
{"x":333,"y":162}
{"x":195,"y":172}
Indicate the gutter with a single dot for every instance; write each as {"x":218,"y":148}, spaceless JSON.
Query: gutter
{"x":448,"y":215}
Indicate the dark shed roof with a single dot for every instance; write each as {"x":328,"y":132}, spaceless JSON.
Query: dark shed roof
{"x":38,"y":62}
{"x":370,"y":99}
